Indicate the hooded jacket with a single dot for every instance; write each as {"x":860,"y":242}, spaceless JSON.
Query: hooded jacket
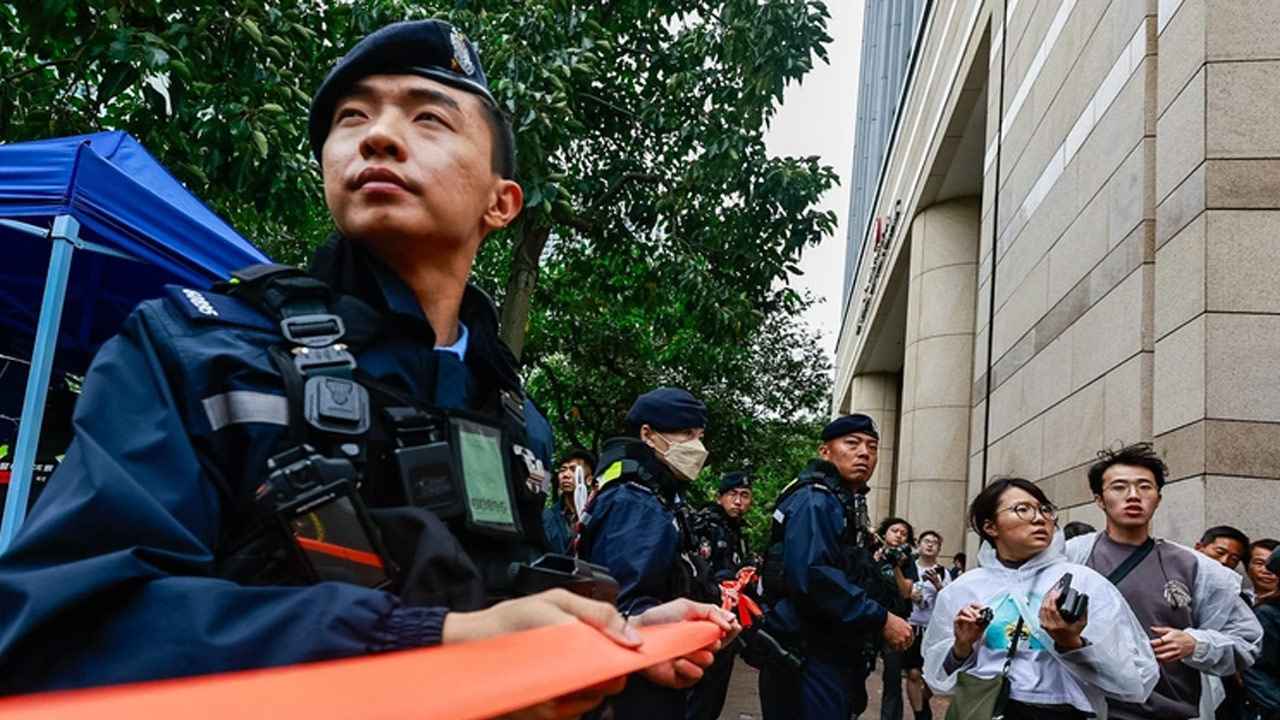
{"x":1116,"y":661}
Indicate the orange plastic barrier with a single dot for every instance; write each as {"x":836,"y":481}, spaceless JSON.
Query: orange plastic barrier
{"x":470,"y":681}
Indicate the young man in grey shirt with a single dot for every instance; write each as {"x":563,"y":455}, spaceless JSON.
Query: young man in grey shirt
{"x":1189,"y":604}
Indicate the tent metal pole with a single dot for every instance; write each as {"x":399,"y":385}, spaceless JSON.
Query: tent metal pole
{"x":65,"y":236}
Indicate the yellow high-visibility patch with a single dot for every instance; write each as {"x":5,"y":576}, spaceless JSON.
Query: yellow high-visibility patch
{"x":613,"y":472}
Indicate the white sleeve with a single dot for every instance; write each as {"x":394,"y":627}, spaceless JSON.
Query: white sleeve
{"x":1079,"y":547}
{"x":938,"y":639}
{"x":1228,"y":636}
{"x":1117,"y":660}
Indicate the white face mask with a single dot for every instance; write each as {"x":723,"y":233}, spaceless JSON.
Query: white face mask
{"x":685,"y":458}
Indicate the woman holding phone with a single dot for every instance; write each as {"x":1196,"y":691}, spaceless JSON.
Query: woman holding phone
{"x":1002,"y":622}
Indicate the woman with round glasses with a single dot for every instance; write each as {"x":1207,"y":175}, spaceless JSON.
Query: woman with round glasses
{"x":1058,"y":670}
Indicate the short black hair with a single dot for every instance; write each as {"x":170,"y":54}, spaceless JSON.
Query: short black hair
{"x":1225,"y":531}
{"x":983,"y":508}
{"x":580,"y":454}
{"x":927,"y":533}
{"x":1138,"y":454}
{"x":1076,"y":528}
{"x":960,"y":558}
{"x":889,"y":522}
{"x":503,"y":157}
{"x":1268,"y":544}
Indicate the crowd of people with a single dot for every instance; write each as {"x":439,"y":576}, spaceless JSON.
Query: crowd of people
{"x":305,"y":465}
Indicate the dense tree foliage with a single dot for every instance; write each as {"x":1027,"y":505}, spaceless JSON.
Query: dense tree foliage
{"x":658,"y":236}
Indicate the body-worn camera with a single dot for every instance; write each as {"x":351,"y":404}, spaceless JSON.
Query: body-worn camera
{"x":1071,"y":604}
{"x":561,"y":571}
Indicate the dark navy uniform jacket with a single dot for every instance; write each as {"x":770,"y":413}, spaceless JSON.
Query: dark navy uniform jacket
{"x":818,"y":602}
{"x":112,"y":578}
{"x":721,"y":541}
{"x":630,"y":530}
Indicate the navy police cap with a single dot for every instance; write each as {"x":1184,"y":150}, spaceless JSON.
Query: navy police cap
{"x":667,"y":409}
{"x":849,"y":424}
{"x":431,"y":48}
{"x":733,"y":481}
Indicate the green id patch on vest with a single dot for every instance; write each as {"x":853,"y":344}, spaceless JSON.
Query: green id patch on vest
{"x":485,"y":474}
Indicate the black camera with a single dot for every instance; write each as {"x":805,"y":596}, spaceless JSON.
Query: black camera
{"x":985,"y":616}
{"x":1071,"y":604}
{"x":895,"y":556}
{"x":561,"y":571}
{"x":761,"y":650}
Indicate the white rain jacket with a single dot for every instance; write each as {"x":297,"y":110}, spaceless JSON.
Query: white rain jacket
{"x":1116,"y":661}
{"x":1228,"y":635}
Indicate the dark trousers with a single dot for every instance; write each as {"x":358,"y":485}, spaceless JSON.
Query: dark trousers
{"x":820,"y":692}
{"x":891,"y":703}
{"x":644,"y":700}
{"x":706,"y":699}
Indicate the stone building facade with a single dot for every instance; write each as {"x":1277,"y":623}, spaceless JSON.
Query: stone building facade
{"x":1122,"y":158}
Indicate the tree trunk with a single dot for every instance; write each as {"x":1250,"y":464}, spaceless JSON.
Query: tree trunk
{"x":529,"y":242}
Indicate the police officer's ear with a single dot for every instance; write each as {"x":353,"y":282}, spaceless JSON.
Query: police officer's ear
{"x":824,"y":452}
{"x":504,"y":205}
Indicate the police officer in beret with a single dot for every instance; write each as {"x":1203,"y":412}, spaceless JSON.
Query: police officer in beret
{"x":313,"y":465}
{"x":827,"y":601}
{"x":722,"y":541}
{"x":637,"y":528}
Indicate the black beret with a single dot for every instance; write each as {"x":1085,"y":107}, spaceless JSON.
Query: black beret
{"x":733,"y":481}
{"x":849,"y":424}
{"x":431,"y":48}
{"x":667,"y":409}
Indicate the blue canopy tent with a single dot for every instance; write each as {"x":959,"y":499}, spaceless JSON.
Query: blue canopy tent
{"x":106,"y":194}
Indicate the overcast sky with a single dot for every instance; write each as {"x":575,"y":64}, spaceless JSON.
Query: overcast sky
{"x":817,"y":119}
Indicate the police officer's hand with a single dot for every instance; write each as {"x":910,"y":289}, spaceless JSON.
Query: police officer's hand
{"x":684,"y":672}
{"x":553,"y":607}
{"x":897,"y":633}
{"x":968,"y":631}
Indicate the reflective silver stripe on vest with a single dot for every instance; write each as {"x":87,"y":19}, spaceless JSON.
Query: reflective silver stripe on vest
{"x":245,"y":406}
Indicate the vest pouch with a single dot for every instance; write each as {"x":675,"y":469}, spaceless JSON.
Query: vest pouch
{"x":431,"y":479}
{"x":482,"y":453}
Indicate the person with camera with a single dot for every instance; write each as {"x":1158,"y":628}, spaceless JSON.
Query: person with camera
{"x":1057,"y":636}
{"x":827,"y":599}
{"x":896,"y":563}
{"x":933,"y":577}
{"x":305,"y":466}
{"x":1187,"y":602}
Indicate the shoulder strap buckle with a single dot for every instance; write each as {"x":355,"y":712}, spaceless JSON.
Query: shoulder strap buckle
{"x":333,"y":360}
{"x":313,"y":331}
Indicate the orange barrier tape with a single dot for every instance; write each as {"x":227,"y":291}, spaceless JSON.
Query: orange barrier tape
{"x":470,"y":681}
{"x":338,"y":551}
{"x":748,"y":610}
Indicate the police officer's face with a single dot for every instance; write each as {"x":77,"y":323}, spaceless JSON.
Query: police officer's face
{"x":408,"y":168}
{"x":736,"y":502}
{"x":854,"y":456}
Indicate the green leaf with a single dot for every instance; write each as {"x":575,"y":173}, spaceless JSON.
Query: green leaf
{"x":251,"y":28}
{"x":115,"y":80}
{"x":260,"y":142}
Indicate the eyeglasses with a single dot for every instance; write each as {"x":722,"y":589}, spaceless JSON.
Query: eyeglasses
{"x":1027,"y":512}
{"x":1144,"y":487}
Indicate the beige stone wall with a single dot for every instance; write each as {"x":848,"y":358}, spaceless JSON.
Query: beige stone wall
{"x":1074,"y":280}
{"x":1216,"y":413}
{"x":876,"y":395}
{"x":1136,"y":256}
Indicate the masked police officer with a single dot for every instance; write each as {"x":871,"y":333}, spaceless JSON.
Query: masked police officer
{"x":722,"y":542}
{"x":363,"y":423}
{"x":826,"y":599}
{"x":636,"y":527}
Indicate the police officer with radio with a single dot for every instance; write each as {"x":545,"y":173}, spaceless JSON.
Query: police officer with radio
{"x":827,"y":602}
{"x":313,"y":465}
{"x":636,"y":526}
{"x":722,"y":542}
